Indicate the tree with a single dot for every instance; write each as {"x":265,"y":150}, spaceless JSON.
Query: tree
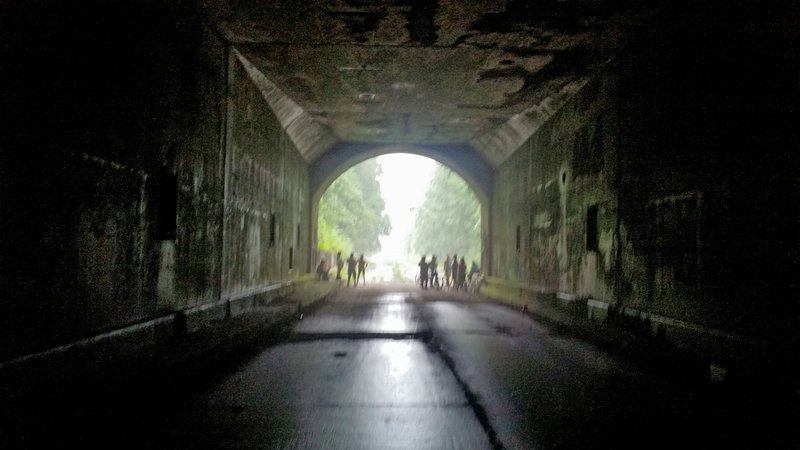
{"x":351,"y":212}
{"x":449,"y":220}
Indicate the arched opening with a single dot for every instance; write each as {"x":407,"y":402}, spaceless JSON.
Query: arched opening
{"x":424,"y":208}
{"x":461,"y":159}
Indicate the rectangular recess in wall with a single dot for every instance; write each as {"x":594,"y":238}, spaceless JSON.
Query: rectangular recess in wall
{"x":167,"y":206}
{"x":272,"y":229}
{"x":297,"y":236}
{"x":291,"y":257}
{"x":519,"y":238}
{"x":674,"y":236}
{"x":591,"y":229}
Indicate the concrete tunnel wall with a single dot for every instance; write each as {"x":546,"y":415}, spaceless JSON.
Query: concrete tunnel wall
{"x":147,"y":185}
{"x":101,"y":157}
{"x":267,"y":203}
{"x":682,"y":167}
{"x":708,"y":181}
{"x":544,"y":190}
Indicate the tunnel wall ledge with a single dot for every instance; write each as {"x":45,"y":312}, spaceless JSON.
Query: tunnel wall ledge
{"x":165,"y":341}
{"x":709,"y":354}
{"x":207,"y":314}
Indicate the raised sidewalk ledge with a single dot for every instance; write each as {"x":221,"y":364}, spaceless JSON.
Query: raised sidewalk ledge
{"x":166,"y":340}
{"x":718,"y":355}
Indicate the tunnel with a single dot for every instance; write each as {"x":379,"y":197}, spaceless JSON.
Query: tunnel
{"x":163,"y":162}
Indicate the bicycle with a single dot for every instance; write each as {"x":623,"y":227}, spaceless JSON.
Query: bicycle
{"x":434,"y":284}
{"x":418,"y":283}
{"x":474,"y":285}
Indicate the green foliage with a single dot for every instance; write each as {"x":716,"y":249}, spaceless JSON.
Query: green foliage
{"x":330,"y":239}
{"x":449,"y":220}
{"x":351,"y":212}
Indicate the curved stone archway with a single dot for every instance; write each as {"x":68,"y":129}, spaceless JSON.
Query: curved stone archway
{"x":462,"y":160}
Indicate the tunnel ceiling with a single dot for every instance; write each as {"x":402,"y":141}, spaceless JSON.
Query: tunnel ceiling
{"x":484,"y":74}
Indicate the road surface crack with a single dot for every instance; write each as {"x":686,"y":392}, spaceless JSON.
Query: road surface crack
{"x":472,"y":398}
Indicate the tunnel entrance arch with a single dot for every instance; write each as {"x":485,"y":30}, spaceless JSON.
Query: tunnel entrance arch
{"x":461,"y":160}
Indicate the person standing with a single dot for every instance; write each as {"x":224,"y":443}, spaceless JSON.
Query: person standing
{"x":339,"y":266}
{"x":454,"y":269}
{"x":434,"y":278}
{"x":351,"y":269}
{"x":322,"y":270}
{"x":423,"y":273}
{"x":447,"y":270}
{"x":462,"y":273}
{"x":473,"y":270}
{"x":362,"y":269}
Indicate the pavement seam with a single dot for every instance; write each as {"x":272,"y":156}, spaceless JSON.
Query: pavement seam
{"x":458,"y":405}
{"x":305,"y":337}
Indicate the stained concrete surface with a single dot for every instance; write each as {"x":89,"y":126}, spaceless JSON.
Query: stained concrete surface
{"x":449,"y":371}
{"x":334,"y":393}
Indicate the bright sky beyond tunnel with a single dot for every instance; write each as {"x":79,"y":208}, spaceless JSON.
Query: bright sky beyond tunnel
{"x":404,"y":180}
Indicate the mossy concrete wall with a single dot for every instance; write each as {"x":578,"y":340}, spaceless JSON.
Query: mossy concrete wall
{"x":267,"y":203}
{"x":543,"y":193}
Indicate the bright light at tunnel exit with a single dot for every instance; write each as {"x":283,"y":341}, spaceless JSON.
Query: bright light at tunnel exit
{"x":404,"y":180}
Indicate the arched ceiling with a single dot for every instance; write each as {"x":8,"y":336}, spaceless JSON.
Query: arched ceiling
{"x":480,"y":74}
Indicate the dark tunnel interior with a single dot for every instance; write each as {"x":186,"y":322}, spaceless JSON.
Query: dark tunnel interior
{"x":162,"y":165}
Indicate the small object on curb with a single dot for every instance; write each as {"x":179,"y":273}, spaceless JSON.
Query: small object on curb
{"x":301,"y":316}
{"x":717,"y":373}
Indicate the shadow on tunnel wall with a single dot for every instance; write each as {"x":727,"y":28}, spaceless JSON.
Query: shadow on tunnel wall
{"x":145,"y":174}
{"x":97,"y":113}
{"x":708,"y":188}
{"x":667,"y":188}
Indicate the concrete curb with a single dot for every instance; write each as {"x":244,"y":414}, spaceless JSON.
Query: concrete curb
{"x":713,"y":355}
{"x":163,"y":341}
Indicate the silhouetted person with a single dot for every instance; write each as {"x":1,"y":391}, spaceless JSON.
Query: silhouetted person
{"x":322,"y":270}
{"x":474,"y":278}
{"x":474,"y":269}
{"x":454,"y":268}
{"x":362,"y":269}
{"x":423,"y":273}
{"x":434,"y":279}
{"x":339,"y":265}
{"x":351,"y":269}
{"x":462,"y":273}
{"x":448,"y":269}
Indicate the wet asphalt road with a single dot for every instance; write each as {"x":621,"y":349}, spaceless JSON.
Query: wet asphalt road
{"x":394,"y":367}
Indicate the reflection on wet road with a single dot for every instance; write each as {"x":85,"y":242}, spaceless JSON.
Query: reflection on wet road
{"x":364,"y":312}
{"x":355,"y":374}
{"x":374,"y":368}
{"x":381,"y":368}
{"x":334,"y":394}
